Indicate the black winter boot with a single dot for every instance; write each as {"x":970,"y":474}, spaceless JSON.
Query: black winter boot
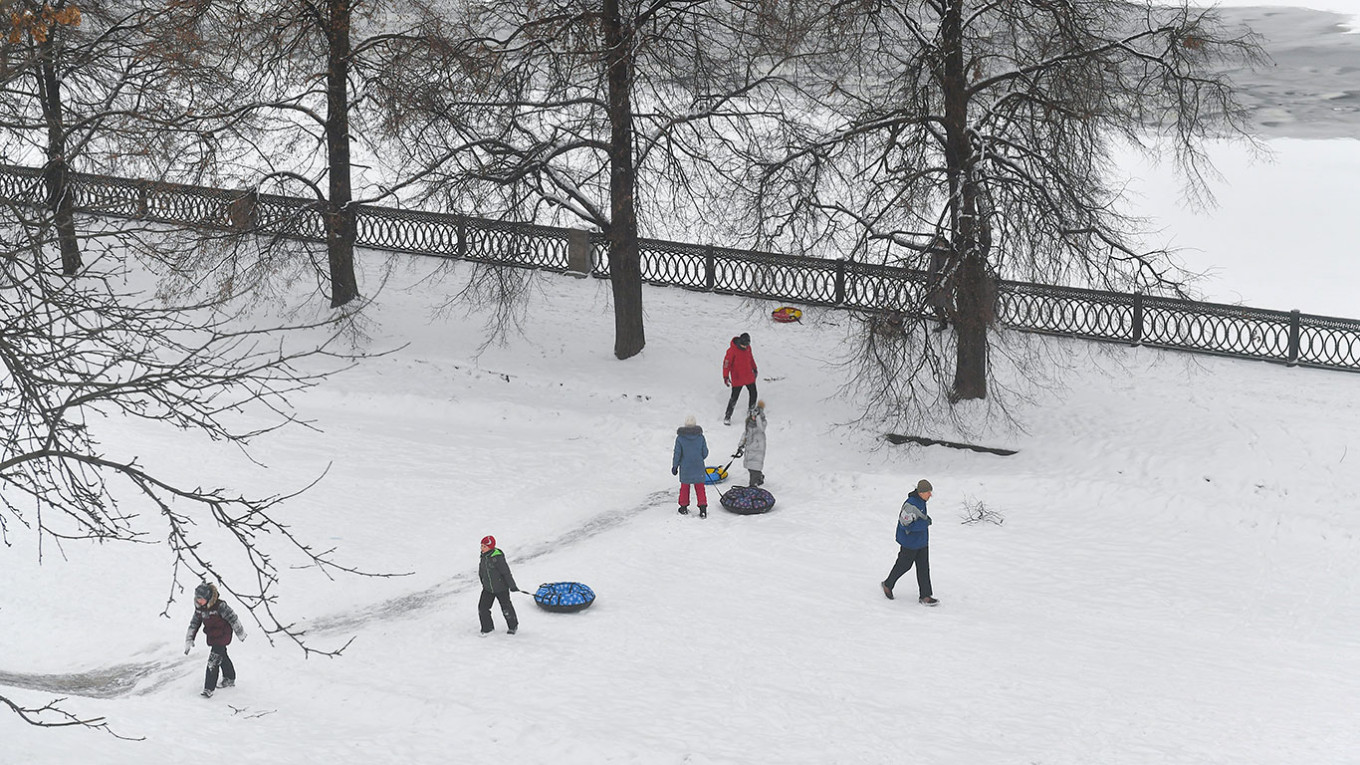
{"x":684,"y":509}
{"x":703,"y":511}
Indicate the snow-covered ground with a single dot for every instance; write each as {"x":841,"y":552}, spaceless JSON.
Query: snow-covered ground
{"x":1174,"y":581}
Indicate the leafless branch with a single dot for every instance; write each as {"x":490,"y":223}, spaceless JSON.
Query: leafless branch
{"x":51,"y":715}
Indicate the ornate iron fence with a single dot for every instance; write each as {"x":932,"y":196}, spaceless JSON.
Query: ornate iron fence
{"x":1287,"y":337}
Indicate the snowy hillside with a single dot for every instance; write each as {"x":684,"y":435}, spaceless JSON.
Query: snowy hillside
{"x":1174,"y":581}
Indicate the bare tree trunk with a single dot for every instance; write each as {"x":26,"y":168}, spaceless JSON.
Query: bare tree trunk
{"x":56,"y":174}
{"x":625,"y":261}
{"x":970,"y":369}
{"x":341,"y":217}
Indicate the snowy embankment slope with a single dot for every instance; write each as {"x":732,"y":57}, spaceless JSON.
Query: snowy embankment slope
{"x":1174,"y":580}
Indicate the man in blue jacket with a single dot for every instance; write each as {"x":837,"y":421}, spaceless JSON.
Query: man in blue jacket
{"x":913,"y":534}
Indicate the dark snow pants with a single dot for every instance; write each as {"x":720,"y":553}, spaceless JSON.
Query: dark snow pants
{"x":507,"y":609}
{"x":905,"y":559}
{"x":736,"y":393}
{"x":218,"y":659}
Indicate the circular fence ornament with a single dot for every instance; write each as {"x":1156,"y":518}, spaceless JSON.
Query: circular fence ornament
{"x":748,"y":500}
{"x":714,"y":475}
{"x":786,"y":314}
{"x":564,"y":597}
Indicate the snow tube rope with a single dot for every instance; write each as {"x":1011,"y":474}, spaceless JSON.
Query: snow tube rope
{"x":564,"y":597}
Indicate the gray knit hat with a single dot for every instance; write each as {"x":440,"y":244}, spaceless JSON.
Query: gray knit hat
{"x":923,"y":486}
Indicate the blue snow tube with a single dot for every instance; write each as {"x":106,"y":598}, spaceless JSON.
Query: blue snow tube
{"x":564,"y":597}
{"x":714,"y":475}
{"x":748,"y":500}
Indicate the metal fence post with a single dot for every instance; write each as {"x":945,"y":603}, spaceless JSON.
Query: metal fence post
{"x":242,"y":212}
{"x":462,"y":236}
{"x":840,"y":281}
{"x":578,"y":252}
{"x":1293,"y":356}
{"x":710,"y":268}
{"x":1137,"y":319}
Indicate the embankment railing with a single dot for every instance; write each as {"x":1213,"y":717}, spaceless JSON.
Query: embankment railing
{"x":1292,"y":337}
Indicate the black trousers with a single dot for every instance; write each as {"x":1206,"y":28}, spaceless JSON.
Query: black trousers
{"x":736,"y":393}
{"x":905,"y":559}
{"x":218,"y":660}
{"x":507,"y":610}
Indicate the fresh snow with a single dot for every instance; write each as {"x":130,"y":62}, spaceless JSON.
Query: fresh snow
{"x":1174,"y":580}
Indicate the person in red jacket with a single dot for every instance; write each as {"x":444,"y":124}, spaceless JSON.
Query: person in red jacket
{"x":218,"y":622}
{"x":739,"y":371}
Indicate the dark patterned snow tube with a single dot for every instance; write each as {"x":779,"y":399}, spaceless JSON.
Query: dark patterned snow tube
{"x":564,"y":597}
{"x":748,"y":500}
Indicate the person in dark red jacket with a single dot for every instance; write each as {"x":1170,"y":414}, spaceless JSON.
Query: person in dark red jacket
{"x":739,"y":371}
{"x":218,"y":622}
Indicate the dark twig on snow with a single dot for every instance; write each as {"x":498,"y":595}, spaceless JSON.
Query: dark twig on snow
{"x":50,"y":715}
{"x":974,"y":511}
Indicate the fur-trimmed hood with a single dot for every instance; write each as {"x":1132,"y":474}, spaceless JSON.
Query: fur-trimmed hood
{"x":212,"y":597}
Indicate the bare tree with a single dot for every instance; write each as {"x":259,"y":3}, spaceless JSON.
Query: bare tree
{"x":100,"y":85}
{"x":990,"y":127}
{"x":74,"y":352}
{"x":112,"y":85}
{"x":616,"y":113}
{"x":304,"y":106}
{"x":35,"y":44}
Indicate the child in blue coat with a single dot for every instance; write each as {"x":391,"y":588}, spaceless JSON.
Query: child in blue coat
{"x":688,"y":462}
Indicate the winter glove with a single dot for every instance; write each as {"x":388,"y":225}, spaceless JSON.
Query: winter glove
{"x":188,"y":646}
{"x":740,"y":450}
{"x":241,"y":636}
{"x":675,"y":470}
{"x":727,"y":381}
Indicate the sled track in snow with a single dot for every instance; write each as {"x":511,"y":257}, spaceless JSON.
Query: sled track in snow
{"x":105,"y":683}
{"x":397,"y":607}
{"x":144,"y":677}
